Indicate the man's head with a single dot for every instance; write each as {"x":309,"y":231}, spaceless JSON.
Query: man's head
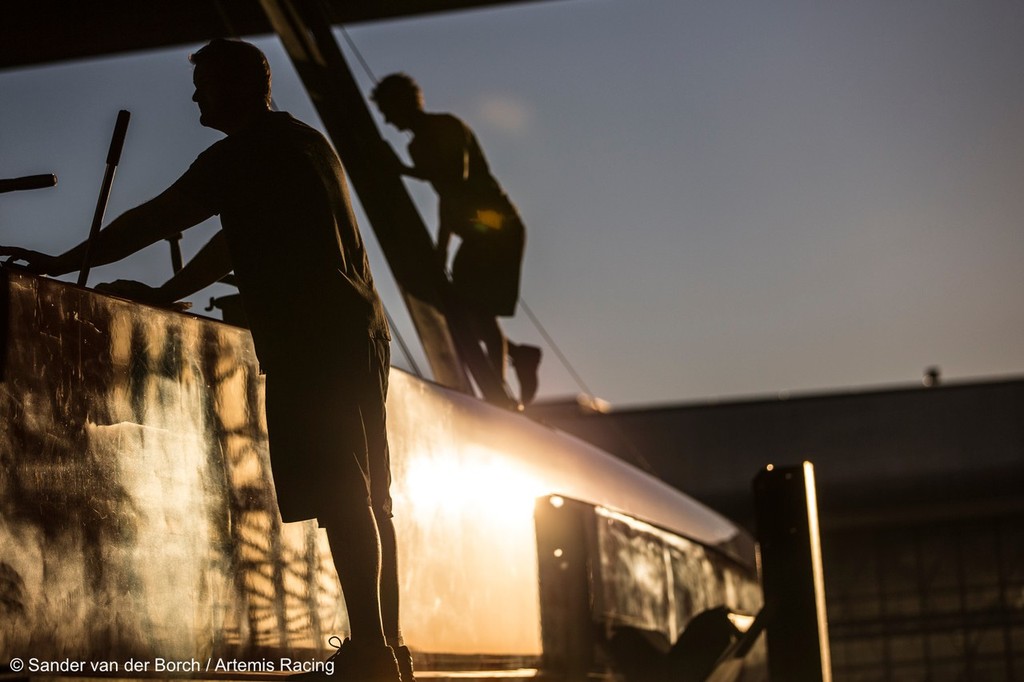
{"x":399,"y":100}
{"x":232,"y":81}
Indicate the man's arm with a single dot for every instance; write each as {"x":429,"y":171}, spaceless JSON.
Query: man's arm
{"x":444,"y":236}
{"x":440,"y":155}
{"x":208,"y":266}
{"x":391,"y":158}
{"x":160,"y":217}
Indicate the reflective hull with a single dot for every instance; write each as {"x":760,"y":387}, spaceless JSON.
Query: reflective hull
{"x":138,"y":517}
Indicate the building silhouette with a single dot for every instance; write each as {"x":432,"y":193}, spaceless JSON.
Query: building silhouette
{"x":921,"y":494}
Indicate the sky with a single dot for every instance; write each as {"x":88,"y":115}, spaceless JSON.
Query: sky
{"x":722,"y":199}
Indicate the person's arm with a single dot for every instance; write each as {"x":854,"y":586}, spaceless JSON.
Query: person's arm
{"x":209,"y":265}
{"x":438,"y":154}
{"x":413,"y":172}
{"x":444,"y":235}
{"x":391,"y":158}
{"x":160,"y":217}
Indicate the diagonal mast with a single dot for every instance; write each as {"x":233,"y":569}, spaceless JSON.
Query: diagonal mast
{"x":305,"y":32}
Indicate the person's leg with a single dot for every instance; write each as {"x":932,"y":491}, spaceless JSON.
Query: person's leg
{"x":389,"y":599}
{"x":389,"y":596}
{"x":526,"y":361}
{"x":355,"y":546}
{"x":346,"y":503}
{"x":318,"y":454}
{"x":374,"y":417}
{"x":489,"y":332}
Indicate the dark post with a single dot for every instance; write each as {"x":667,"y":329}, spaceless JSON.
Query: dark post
{"x":27,"y":182}
{"x":177,"y":263}
{"x":786,"y":507}
{"x":567,"y":629}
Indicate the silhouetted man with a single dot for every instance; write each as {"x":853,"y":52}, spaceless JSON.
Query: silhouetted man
{"x":317,"y":324}
{"x":472,"y":206}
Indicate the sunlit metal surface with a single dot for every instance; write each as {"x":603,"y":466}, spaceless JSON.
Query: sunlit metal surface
{"x":136,"y":508}
{"x":137,"y":514}
{"x":657,"y":581}
{"x":740,"y":621}
{"x":553,"y":462}
{"x":648,"y":603}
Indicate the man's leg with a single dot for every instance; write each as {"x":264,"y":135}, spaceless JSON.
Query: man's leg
{"x":374,"y":413}
{"x":489,"y":332}
{"x":526,"y":361}
{"x":355,"y":546}
{"x":389,"y":601}
{"x":389,"y":596}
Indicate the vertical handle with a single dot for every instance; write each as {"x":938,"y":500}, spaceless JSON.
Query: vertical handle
{"x":113,"y":157}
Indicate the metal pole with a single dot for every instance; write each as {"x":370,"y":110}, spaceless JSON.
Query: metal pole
{"x":786,"y":506}
{"x":177,"y":262}
{"x":27,"y":182}
{"x":113,"y":156}
{"x":567,"y":626}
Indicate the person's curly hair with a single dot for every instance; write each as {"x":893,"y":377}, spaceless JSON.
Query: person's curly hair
{"x":398,"y":89}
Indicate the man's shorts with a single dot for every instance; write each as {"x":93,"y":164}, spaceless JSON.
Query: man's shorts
{"x":486,"y":269}
{"x":326,"y":424}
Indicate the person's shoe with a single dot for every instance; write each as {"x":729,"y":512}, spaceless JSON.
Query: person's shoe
{"x":526,"y":361}
{"x":355,"y":662}
{"x":405,"y":663}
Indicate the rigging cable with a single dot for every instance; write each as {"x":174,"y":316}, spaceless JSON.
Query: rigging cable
{"x":358,"y":54}
{"x":391,"y":321}
{"x":554,"y":346}
{"x":401,"y":342}
{"x":631,"y":450}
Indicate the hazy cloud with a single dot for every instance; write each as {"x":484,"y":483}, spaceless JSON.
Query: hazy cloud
{"x":505,"y":112}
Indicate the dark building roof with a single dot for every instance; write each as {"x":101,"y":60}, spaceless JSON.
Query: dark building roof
{"x":57,"y":30}
{"x":941,"y":450}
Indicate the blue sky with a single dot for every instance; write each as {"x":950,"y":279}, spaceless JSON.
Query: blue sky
{"x":722,"y":198}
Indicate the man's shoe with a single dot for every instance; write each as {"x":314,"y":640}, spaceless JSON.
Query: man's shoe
{"x":356,"y":662}
{"x":526,"y":361}
{"x":405,"y":663}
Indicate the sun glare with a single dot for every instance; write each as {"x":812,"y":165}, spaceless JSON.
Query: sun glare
{"x":475,"y":481}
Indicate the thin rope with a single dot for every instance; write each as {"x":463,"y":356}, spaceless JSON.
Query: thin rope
{"x":359,"y":55}
{"x":558,"y":351}
{"x":631,"y":450}
{"x":401,"y":343}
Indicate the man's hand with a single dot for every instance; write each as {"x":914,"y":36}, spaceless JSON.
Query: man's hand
{"x":389,"y":157}
{"x":129,"y":288}
{"x":35,"y":262}
{"x":441,"y":256}
{"x":142,"y":293}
